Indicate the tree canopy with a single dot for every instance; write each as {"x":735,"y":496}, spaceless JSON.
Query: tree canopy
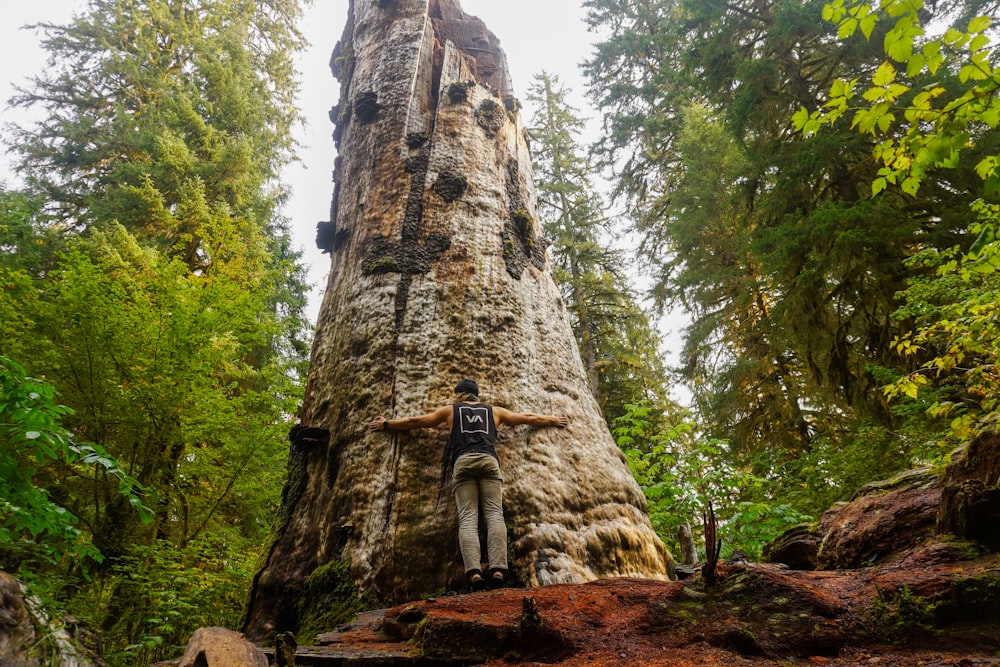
{"x":148,"y":275}
{"x":931,"y":106}
{"x":790,"y":270}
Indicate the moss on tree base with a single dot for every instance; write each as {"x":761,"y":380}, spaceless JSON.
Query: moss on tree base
{"x":328,"y":599}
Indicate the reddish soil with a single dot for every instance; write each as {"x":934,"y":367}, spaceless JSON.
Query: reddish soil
{"x":931,"y":606}
{"x":909,"y":575}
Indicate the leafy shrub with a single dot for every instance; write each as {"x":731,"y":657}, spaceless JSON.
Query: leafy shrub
{"x":31,"y":437}
{"x":680,"y":475}
{"x":170,"y":592}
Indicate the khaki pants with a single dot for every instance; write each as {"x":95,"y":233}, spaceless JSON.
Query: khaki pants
{"x":477,"y":481}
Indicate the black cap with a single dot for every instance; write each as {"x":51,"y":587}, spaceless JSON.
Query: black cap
{"x":467,"y":386}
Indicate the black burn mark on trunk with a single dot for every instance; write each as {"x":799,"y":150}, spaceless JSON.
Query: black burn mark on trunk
{"x":402,"y":296}
{"x":444,"y":486}
{"x":413,"y":218}
{"x":450,"y":186}
{"x":490,"y":116}
{"x":305,"y":442}
{"x":366,"y":107}
{"x":521,"y":241}
{"x":395,"y":453}
{"x":411,"y":256}
{"x":333,"y":462}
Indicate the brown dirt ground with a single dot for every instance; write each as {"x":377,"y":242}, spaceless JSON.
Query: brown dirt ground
{"x":755,"y":615}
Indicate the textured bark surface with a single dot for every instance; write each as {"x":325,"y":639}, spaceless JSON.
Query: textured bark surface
{"x":439,"y":272}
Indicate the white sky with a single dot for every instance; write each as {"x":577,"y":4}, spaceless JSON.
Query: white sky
{"x":535,"y":35}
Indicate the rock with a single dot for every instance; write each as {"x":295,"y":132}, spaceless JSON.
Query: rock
{"x":438,"y":272}
{"x":884,"y":518}
{"x":17,"y":630}
{"x":219,"y":647}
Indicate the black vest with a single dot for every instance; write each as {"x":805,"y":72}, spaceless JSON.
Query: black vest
{"x":473,"y":430}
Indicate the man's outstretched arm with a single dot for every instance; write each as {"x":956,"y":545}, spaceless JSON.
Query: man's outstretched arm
{"x":430,"y":420}
{"x":505,"y":416}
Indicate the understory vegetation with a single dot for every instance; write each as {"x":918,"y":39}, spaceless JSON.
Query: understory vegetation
{"x":152,"y":336}
{"x":814,"y":184}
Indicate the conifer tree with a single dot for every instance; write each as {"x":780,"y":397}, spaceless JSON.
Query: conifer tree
{"x":617,"y":342}
{"x":147,"y":273}
{"x":791,"y":272}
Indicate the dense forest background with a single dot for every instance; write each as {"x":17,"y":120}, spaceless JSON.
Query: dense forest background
{"x":815,"y":183}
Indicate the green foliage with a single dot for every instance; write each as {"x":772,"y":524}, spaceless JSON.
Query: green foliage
{"x":146,"y":272}
{"x":790,"y":271}
{"x":896,"y":617}
{"x":835,"y":467}
{"x":153,"y":354}
{"x":925,"y":128}
{"x":31,"y":522}
{"x":24,"y":244}
{"x":618,"y":345}
{"x":171,"y":593}
{"x":171,"y":119}
{"x":680,"y":475}
{"x":954,"y":314}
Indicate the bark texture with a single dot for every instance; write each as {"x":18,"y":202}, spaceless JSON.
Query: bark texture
{"x":438,"y":272}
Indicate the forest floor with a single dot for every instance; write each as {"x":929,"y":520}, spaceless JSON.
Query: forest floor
{"x":882,"y":580}
{"x":928,"y":608}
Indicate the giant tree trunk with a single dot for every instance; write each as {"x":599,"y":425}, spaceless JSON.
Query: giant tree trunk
{"x":439,"y":273}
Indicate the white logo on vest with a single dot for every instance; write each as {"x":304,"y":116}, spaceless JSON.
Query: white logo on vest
{"x":472,"y":419}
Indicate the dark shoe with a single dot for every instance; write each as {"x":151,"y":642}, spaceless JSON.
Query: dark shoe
{"x":496,"y":580}
{"x":476,"y":581}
